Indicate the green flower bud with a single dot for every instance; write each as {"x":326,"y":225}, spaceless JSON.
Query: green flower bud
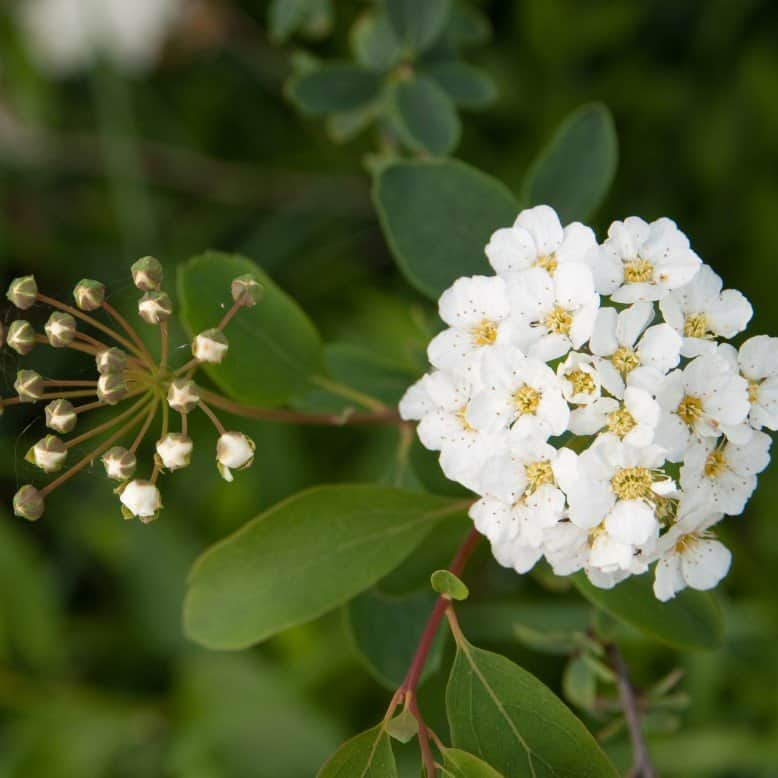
{"x":210,"y":346}
{"x":88,"y":294}
{"x":60,"y":329}
{"x":111,"y":388}
{"x":147,"y":274}
{"x":112,"y":360}
{"x":22,"y":292}
{"x":60,"y":416}
{"x":28,"y":503}
{"x":246,"y":290}
{"x":119,"y":463}
{"x":21,"y":337}
{"x":183,"y":395}
{"x":155,"y":307}
{"x":29,"y":386}
{"x":49,"y":454}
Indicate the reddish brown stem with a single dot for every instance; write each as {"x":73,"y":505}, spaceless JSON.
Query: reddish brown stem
{"x":236,"y":306}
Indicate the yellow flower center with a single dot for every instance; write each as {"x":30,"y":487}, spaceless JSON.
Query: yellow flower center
{"x":581,"y":381}
{"x":685,"y":542}
{"x":638,"y":271}
{"x":715,"y":464}
{"x":753,"y":391}
{"x":621,"y":422}
{"x":632,"y":483}
{"x":625,"y":360}
{"x":547,"y":262}
{"x":689,"y":409}
{"x":461,"y":415}
{"x":484,"y":333}
{"x":559,"y":321}
{"x":526,"y":399}
{"x":539,"y":473}
{"x":695,"y":325}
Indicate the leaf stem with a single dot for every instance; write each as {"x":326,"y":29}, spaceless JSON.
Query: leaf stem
{"x":212,"y":416}
{"x":163,"y":341}
{"x":227,"y":318}
{"x":146,"y":424}
{"x":130,"y":330}
{"x":84,"y":349}
{"x":347,"y":392}
{"x":106,"y":425}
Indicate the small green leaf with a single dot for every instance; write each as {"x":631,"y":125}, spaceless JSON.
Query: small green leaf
{"x":403,"y":727}
{"x":449,"y":585}
{"x":691,"y":621}
{"x":579,"y":683}
{"x":303,"y":557}
{"x":504,"y":715}
{"x":417,"y":24}
{"x":547,"y":642}
{"x":374,"y":42}
{"x":438,"y":216}
{"x":460,"y":764}
{"x":285,"y":17}
{"x":334,"y":88}
{"x":466,"y":25}
{"x":385,"y":631}
{"x":274,"y":348}
{"x":424,"y":116}
{"x":368,"y":755}
{"x":575,"y":170}
{"x":345,"y":125}
{"x":466,"y":85}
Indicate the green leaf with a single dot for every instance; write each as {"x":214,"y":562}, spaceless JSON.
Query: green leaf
{"x":374,"y":42}
{"x":579,"y":683}
{"x":274,"y":348}
{"x":424,"y":116}
{"x":417,"y":24}
{"x":368,"y":755}
{"x":438,"y":216}
{"x":504,"y":715}
{"x":575,"y":170}
{"x":285,"y":17}
{"x":385,"y":631}
{"x":466,"y":25}
{"x":303,"y":557}
{"x":460,"y":764}
{"x":690,"y":621}
{"x":334,"y":88}
{"x":449,"y":585}
{"x":403,"y":727}
{"x":466,"y":85}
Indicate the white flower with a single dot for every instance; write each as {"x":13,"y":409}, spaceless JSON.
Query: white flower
{"x":210,"y":346}
{"x":537,"y":239}
{"x":707,"y":398}
{"x":183,"y":395}
{"x":553,"y":313}
{"x":174,"y":450}
{"x":579,"y":379}
{"x":758,"y":363}
{"x":476,"y":310}
{"x":634,"y":419}
{"x":700,"y":312}
{"x":142,"y":499}
{"x":521,"y":392}
{"x":119,"y":463}
{"x":623,"y":358}
{"x":49,"y":454}
{"x":517,"y":555}
{"x":725,"y":475}
{"x":641,"y":261}
{"x":234,"y":451}
{"x":689,"y":555}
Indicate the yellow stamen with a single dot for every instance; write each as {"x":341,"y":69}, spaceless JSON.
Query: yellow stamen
{"x":625,"y":360}
{"x":638,"y":271}
{"x":461,"y":415}
{"x":548,"y":262}
{"x":539,"y":473}
{"x":715,"y":463}
{"x":559,"y":321}
{"x":695,"y":326}
{"x":621,"y":422}
{"x":689,"y":409}
{"x":685,"y":542}
{"x":632,"y":483}
{"x":484,"y":333}
{"x":526,"y":399}
{"x":753,"y":391}
{"x":582,"y":382}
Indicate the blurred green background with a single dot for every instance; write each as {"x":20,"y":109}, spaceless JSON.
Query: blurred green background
{"x":199,"y":149}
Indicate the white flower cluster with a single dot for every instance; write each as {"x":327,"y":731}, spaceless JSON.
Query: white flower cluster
{"x":584,"y":392}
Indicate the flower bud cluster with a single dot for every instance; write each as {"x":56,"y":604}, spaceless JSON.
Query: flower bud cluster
{"x":587,"y":394}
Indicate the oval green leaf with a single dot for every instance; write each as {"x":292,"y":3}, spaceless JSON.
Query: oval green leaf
{"x":690,"y":621}
{"x":417,"y":24}
{"x":274,"y":348}
{"x":425,"y":117}
{"x":438,"y":216}
{"x":334,"y":88}
{"x":575,"y":170}
{"x":368,"y":755}
{"x":449,"y":585}
{"x":303,"y":557}
{"x":374,"y":42}
{"x":466,"y":85}
{"x":460,"y":764}
{"x":507,"y":717}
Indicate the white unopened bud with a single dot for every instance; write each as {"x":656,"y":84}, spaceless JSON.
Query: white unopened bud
{"x":21,"y":337}
{"x":28,"y":386}
{"x":49,"y":454}
{"x":28,"y":503}
{"x":22,"y":292}
{"x":174,"y":450}
{"x":89,"y":295}
{"x":140,"y":499}
{"x":111,"y":360}
{"x":210,"y":346}
{"x":234,"y":451}
{"x":119,"y":463}
{"x":60,"y":416}
{"x":183,"y":395}
{"x":147,"y":274}
{"x":155,"y":307}
{"x":60,"y":329}
{"x":111,"y":388}
{"x":246,"y":290}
